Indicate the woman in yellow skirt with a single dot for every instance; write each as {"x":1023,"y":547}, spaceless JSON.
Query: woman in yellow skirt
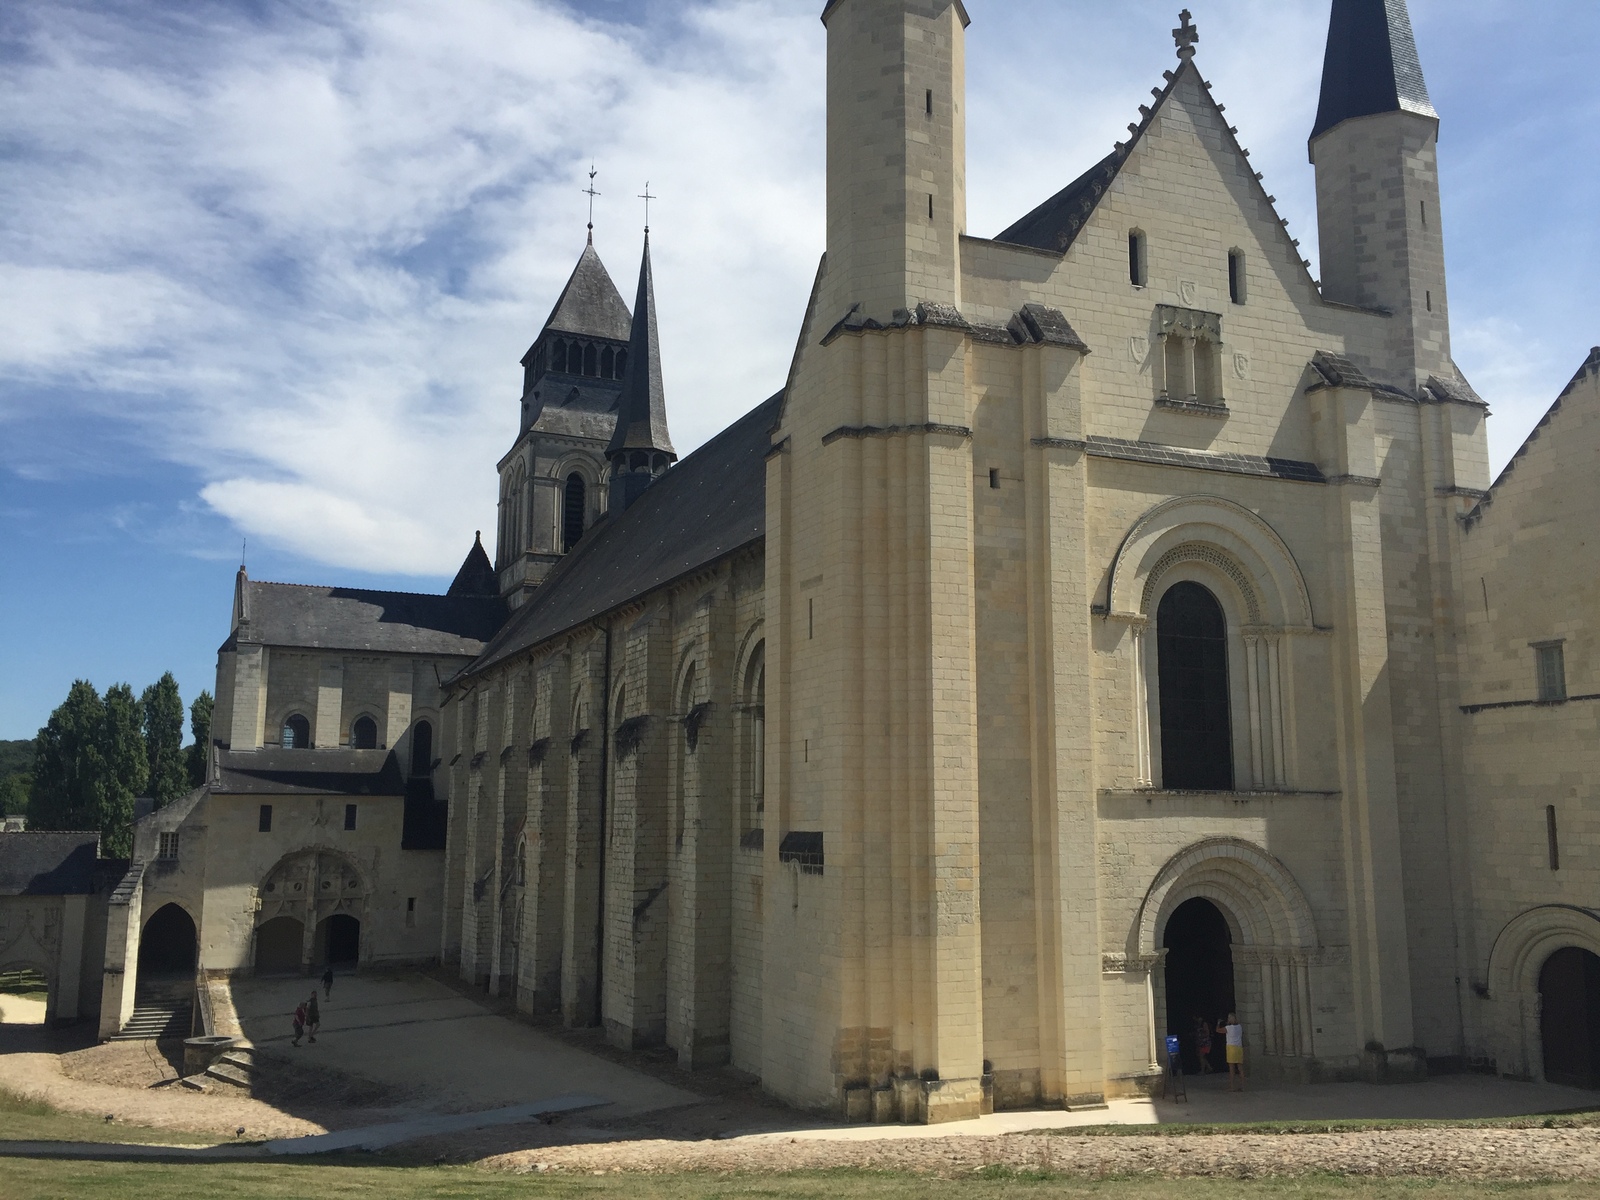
{"x":1234,"y":1032}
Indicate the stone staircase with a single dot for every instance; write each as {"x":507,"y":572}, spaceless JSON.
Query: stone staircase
{"x":236,"y":1068}
{"x":162,"y":1009}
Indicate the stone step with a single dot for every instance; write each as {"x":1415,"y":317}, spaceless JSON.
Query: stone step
{"x":228,"y":1073}
{"x":195,"y":1083}
{"x":156,"y":1022}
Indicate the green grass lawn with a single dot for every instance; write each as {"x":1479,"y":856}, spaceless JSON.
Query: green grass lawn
{"x":26,"y":1179}
{"x":23,"y":1119}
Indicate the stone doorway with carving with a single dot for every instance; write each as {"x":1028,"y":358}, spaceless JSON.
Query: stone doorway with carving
{"x":319,"y":894}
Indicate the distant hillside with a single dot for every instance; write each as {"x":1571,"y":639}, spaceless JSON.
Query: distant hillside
{"x":16,"y":758}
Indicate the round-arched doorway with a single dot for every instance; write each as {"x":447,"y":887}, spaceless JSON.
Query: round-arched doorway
{"x":168,"y":943}
{"x":1569,"y":1017}
{"x":1199,"y":978}
{"x":338,"y":941}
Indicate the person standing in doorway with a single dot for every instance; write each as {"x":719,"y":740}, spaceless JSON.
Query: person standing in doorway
{"x":327,"y":984}
{"x":1234,"y":1033}
{"x":1202,"y":1041}
{"x":299,"y":1023}
{"x":313,"y":1016}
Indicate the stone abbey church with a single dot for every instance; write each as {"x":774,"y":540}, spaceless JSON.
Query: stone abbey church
{"x":1106,"y":625}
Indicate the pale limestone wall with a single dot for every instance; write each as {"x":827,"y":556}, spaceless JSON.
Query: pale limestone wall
{"x":63,"y":938}
{"x":1531,"y":561}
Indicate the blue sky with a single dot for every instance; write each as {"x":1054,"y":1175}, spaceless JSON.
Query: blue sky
{"x":266,"y":268}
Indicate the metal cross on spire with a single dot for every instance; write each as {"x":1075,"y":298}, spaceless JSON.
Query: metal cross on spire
{"x":647,"y":197}
{"x":1186,"y":35}
{"x":591,"y":193}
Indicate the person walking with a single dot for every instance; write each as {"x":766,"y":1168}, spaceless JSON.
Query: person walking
{"x":313,"y":1016}
{"x":299,"y":1023}
{"x":327,"y":984}
{"x":1202,"y":1039}
{"x":1234,"y":1033}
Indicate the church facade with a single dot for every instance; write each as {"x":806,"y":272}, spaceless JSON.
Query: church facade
{"x":1146,"y":642}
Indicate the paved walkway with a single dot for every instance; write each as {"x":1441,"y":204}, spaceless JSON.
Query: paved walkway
{"x":416,"y":1033}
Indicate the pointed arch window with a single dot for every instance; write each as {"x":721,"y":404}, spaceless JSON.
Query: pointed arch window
{"x":622,"y":363}
{"x":364,"y":734}
{"x":1192,"y":670}
{"x":558,"y":355}
{"x":591,"y":360}
{"x":572,"y":514}
{"x":608,"y":363}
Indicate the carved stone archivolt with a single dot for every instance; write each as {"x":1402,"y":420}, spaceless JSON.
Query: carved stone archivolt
{"x":311,"y":885}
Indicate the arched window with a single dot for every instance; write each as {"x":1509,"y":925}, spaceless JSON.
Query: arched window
{"x":1238,"y":282}
{"x":622,"y":363}
{"x":296,"y":733}
{"x":558,"y":355}
{"x":1138,"y":258}
{"x":1192,"y":665}
{"x":422,"y":748}
{"x":608,"y":363}
{"x":364,"y":734}
{"x":591,"y":360}
{"x":572,"y":511}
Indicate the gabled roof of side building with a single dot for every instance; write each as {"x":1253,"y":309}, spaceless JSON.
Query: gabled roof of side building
{"x":48,"y":864}
{"x":705,"y":508}
{"x":333,"y":618}
{"x":277,"y":772}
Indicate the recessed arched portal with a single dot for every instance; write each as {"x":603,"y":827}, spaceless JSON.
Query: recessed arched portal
{"x":338,"y":941}
{"x":1569,"y":1017}
{"x":278,"y":946}
{"x":167,"y":944}
{"x":1199,"y":977}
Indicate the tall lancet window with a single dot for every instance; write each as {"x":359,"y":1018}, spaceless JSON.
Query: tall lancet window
{"x":1192,"y":666}
{"x":573,"y":502}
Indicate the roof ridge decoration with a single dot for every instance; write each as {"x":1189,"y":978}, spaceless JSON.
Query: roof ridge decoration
{"x":1056,"y":224}
{"x":1591,"y":366}
{"x":589,"y":304}
{"x":1371,"y":65}
{"x":642,"y":409}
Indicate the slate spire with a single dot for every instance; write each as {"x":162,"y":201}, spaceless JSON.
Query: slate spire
{"x":640,"y":447}
{"x":1371,"y":65}
{"x":476,"y":577}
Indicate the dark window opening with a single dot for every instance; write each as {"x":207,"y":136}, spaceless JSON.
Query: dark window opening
{"x":1424,"y":214}
{"x":804,"y":850}
{"x":364,"y":734}
{"x":422,"y":749}
{"x":1569,"y":1018}
{"x":1192,"y":666}
{"x":930,"y":208}
{"x":297,"y":733}
{"x":349,"y":816}
{"x":558,"y":355}
{"x":994,"y":477}
{"x":1429,"y":295}
{"x":572,"y":512}
{"x":591,"y":360}
{"x":1136,"y":258}
{"x":622,"y":363}
{"x":1199,"y":979}
{"x":608,"y":363}
{"x":930,"y":102}
{"x":1552,"y":837}
{"x":1236,"y":277}
{"x":811,"y":619}
{"x":264,"y":822}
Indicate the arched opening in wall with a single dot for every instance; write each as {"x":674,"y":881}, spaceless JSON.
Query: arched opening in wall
{"x":24,"y":996}
{"x":608,"y":363}
{"x":755,"y":701}
{"x":1192,"y":673}
{"x":296,"y":733}
{"x":422,"y":748}
{"x":558,"y":355}
{"x":1569,"y":1017}
{"x":622,"y":363}
{"x":364,"y":734}
{"x":278,"y":946}
{"x":1199,"y":979}
{"x":591,"y":360}
{"x":167,"y":944}
{"x":338,"y":941}
{"x":572,"y":511}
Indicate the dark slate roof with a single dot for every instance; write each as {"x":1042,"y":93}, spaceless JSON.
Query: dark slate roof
{"x":476,"y":577}
{"x":1055,"y":223}
{"x":590,"y":304}
{"x":709,"y":505}
{"x":275,"y":772}
{"x":1371,"y":65}
{"x":642,"y":409}
{"x":332,"y":618}
{"x":48,"y":864}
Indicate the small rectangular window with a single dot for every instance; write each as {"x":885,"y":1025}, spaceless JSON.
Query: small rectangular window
{"x":994,"y":478}
{"x":1424,"y":214}
{"x":930,"y":102}
{"x":411,"y":912}
{"x":167,"y":847}
{"x":930,"y":207}
{"x":264,"y":825}
{"x":1552,"y":672}
{"x":1236,"y":280}
{"x":1550,"y":834}
{"x":811,"y":619}
{"x":1429,"y":296}
{"x":1136,"y":259}
{"x":349,"y":816}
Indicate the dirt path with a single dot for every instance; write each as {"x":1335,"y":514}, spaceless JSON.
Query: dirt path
{"x":1490,"y":1154}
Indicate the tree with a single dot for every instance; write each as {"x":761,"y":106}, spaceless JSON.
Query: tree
{"x":14,"y":795}
{"x":69,"y":764}
{"x":162,"y":711}
{"x":127,"y":771}
{"x":199,"y":754}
